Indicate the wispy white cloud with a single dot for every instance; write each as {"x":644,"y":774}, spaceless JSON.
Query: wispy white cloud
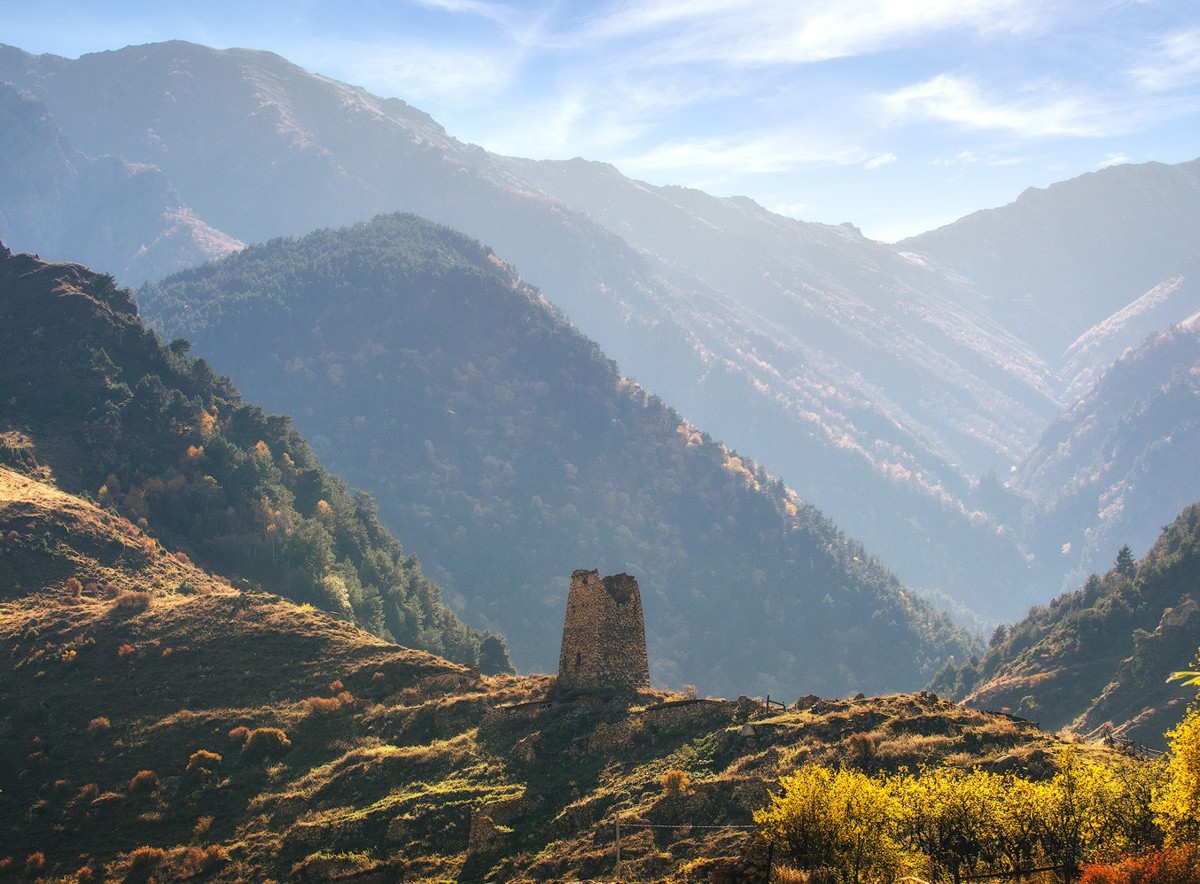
{"x":883,"y":159}
{"x":970,"y":158}
{"x":1033,"y":112}
{"x":769,"y":32}
{"x":1005,"y":161}
{"x":568,"y":125}
{"x":962,"y":158}
{"x":599,"y":111}
{"x":1173,"y":62}
{"x":476,"y":54}
{"x":419,"y":71}
{"x":758,"y":155}
{"x":1113,"y":159}
{"x":497,"y":12}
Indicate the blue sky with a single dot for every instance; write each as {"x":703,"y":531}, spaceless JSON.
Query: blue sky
{"x":896,"y":115}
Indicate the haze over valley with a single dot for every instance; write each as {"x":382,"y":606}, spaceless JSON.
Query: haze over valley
{"x":327,"y":438}
{"x":900,"y":389}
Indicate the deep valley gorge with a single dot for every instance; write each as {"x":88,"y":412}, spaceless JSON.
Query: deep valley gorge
{"x":378,"y":506}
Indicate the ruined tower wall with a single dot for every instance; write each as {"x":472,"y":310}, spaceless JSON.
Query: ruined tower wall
{"x":604,"y":636}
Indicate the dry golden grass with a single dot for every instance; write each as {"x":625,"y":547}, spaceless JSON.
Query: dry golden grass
{"x":202,"y":762}
{"x":342,"y":753}
{"x":675,"y":781}
{"x":50,"y":538}
{"x":131,"y":601}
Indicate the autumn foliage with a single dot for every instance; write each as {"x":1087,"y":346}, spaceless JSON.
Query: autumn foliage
{"x":143,"y":862}
{"x":144,"y":781}
{"x":322,"y":705}
{"x":1178,"y":865}
{"x":949,"y":824}
{"x":1179,"y":802}
{"x":675,"y":781}
{"x":263,"y":742}
{"x":132,"y":601}
{"x":202,"y":763}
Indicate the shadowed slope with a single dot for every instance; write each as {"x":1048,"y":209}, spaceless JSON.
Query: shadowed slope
{"x":96,"y":402}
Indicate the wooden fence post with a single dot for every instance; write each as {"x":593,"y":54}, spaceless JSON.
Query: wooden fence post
{"x":618,"y":845}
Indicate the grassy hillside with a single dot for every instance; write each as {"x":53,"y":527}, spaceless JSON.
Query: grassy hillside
{"x":123,"y":658}
{"x":1098,"y":658}
{"x":508,"y":451}
{"x":138,"y":708}
{"x":96,"y":403}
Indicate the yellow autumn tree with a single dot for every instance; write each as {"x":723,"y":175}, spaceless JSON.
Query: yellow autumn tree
{"x":1179,"y":800}
{"x":1080,"y":823}
{"x":834,"y":825}
{"x":950,"y":817}
{"x":1020,"y":821}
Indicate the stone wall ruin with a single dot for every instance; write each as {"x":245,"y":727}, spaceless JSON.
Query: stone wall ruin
{"x":604,"y":636}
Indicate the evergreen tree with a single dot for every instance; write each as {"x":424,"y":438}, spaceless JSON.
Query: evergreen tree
{"x":1124,"y":564}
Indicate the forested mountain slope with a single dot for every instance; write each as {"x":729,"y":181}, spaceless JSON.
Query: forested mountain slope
{"x":1098,"y":658}
{"x":94,"y":401}
{"x":509,"y":452}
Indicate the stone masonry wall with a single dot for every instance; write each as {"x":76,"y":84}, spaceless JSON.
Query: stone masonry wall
{"x":604,"y":636}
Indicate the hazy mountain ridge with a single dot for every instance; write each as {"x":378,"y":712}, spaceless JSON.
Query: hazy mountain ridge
{"x":506,"y":447}
{"x":95,"y":402}
{"x":122,"y":217}
{"x":279,"y":125}
{"x":844,"y":429}
{"x":1123,"y":460}
{"x":1157,"y":310}
{"x":1061,"y":259}
{"x":858,"y":370}
{"x":889,"y":385}
{"x":822,"y":289}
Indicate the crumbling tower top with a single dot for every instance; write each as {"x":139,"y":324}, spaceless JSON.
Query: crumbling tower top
{"x":604,"y":636}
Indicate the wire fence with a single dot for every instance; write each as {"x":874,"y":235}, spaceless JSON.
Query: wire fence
{"x":1054,"y":863}
{"x":629,"y":825}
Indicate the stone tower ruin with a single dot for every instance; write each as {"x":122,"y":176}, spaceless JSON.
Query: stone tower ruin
{"x":604,"y":637}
